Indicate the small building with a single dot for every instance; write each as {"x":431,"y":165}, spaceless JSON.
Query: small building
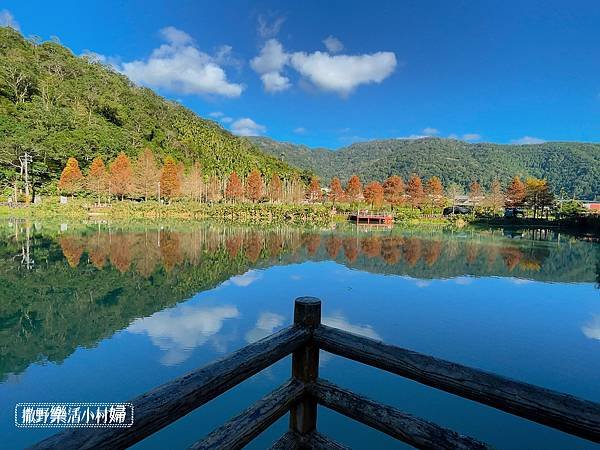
{"x":592,"y":205}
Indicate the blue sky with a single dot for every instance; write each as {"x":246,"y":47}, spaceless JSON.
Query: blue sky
{"x":511,"y":71}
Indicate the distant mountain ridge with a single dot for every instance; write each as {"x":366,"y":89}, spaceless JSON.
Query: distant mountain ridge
{"x":571,"y":167}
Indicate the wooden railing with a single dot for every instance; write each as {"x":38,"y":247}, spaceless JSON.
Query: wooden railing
{"x":301,"y":394}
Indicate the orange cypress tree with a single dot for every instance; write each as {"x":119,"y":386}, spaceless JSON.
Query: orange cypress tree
{"x":170,"y":179}
{"x":435,"y":191}
{"x":353,"y":188}
{"x":254,"y":186}
{"x":393,"y":190}
{"x":415,"y":190}
{"x":120,"y":175}
{"x":314,"y":190}
{"x":146,"y":174}
{"x":515,"y":193}
{"x":96,"y":179}
{"x":475,"y":194}
{"x":71,"y":177}
{"x":374,"y":194}
{"x":234,"y":189}
{"x":336,"y":193}
{"x":275,"y":188}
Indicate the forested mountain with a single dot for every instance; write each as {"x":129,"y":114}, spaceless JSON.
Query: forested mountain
{"x":570,"y":166}
{"x":54,"y":104}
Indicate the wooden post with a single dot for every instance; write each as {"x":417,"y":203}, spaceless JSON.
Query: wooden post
{"x":305,"y":365}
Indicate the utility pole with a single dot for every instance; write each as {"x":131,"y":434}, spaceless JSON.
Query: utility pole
{"x":25,"y":160}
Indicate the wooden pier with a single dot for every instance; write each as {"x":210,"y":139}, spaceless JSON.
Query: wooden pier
{"x":300,"y":395}
{"x":369,"y":218}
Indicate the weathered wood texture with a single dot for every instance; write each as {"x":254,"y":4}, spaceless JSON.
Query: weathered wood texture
{"x":240,"y":430}
{"x":414,"y":431}
{"x":316,"y":441}
{"x":287,"y":441}
{"x":311,"y":441}
{"x":305,"y":365}
{"x":163,"y":405}
{"x":561,"y":411}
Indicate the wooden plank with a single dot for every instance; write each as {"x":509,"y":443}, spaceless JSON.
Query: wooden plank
{"x":557,"y":410}
{"x":163,"y":405}
{"x":288,"y":441}
{"x":240,"y":430}
{"x":317,"y":441}
{"x":412,"y":430}
{"x":305,"y":365}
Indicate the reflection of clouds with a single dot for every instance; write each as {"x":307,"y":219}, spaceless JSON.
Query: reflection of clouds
{"x":295,"y":277}
{"x":180,"y":330}
{"x":246,"y":279}
{"x":518,"y":281}
{"x":422,"y":283}
{"x":339,"y":321}
{"x":463,"y":281}
{"x":265,"y":325}
{"x":591,"y":329}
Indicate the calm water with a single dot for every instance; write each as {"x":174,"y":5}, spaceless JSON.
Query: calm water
{"x":101,"y":313}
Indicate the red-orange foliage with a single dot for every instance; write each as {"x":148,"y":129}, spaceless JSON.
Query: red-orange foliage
{"x":120,"y":252}
{"x":390,"y":250}
{"x":353,"y":188}
{"x":371,"y":246}
{"x":234,"y":189}
{"x":254,"y":186}
{"x":415,"y":190}
{"x":374,"y":194}
{"x":515,"y":193}
{"x":234,"y":244}
{"x":170,"y":251}
{"x":275,"y":188}
{"x":393,"y":190}
{"x":170,"y":178}
{"x":336,"y":193}
{"x":120,"y":176}
{"x":350,"y":249}
{"x":412,"y":251}
{"x":435,"y":191}
{"x":432,"y":252}
{"x":96,"y":179}
{"x":475,"y":190}
{"x":254,"y":246}
{"x":314,"y":190}
{"x":71,"y":177}
{"x":312,"y":243}
{"x":146,"y":174}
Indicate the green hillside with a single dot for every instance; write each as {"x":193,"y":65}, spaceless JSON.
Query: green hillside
{"x":570,"y":166}
{"x":54,"y":104}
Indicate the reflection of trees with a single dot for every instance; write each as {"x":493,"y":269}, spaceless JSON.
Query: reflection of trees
{"x":472,"y":249}
{"x":253,"y":245}
{"x":170,"y":250}
{"x":312,"y":242}
{"x":120,"y":252}
{"x":97,"y":248}
{"x":333,"y":244}
{"x":511,"y":256}
{"x":412,"y":251}
{"x":72,"y":248}
{"x":234,"y":244}
{"x":350,"y":249}
{"x":371,"y":246}
{"x":390,"y":249}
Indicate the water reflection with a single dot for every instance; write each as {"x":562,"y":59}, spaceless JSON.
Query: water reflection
{"x":591,"y":329}
{"x":52,"y":276}
{"x":180,"y":330}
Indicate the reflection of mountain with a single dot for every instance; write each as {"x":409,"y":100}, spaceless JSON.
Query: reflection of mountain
{"x":86,"y":285}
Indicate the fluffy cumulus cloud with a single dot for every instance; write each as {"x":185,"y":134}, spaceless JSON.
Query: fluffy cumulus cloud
{"x":333,"y":44}
{"x":8,"y":20}
{"x":179,"y":66}
{"x":266,"y":324}
{"x":525,"y":140}
{"x":471,"y":137}
{"x":269,"y":26}
{"x":343,"y":73}
{"x":247,"y":127}
{"x":429,"y":131}
{"x":325,"y":70}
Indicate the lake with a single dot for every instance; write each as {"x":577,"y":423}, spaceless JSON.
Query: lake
{"x":105,"y":312}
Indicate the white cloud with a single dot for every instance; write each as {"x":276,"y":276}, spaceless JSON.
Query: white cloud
{"x":471,"y":137}
{"x":266,"y":28}
{"x":247,"y":127}
{"x":414,"y":136}
{"x":333,"y":44}
{"x":8,"y":20}
{"x":275,"y":82}
{"x":430,"y":131}
{"x":269,"y":64}
{"x":343,"y":73}
{"x":337,"y":73}
{"x":226,"y":119}
{"x":592,"y":328}
{"x":216,"y":114}
{"x":300,"y":130}
{"x":179,"y":66}
{"x":339,"y":321}
{"x":527,"y":140}
{"x":249,"y":277}
{"x":175,"y":36}
{"x":266,"y":324}
{"x":180,"y":330}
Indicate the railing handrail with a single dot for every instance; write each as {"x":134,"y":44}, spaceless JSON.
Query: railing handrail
{"x":160,"y":407}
